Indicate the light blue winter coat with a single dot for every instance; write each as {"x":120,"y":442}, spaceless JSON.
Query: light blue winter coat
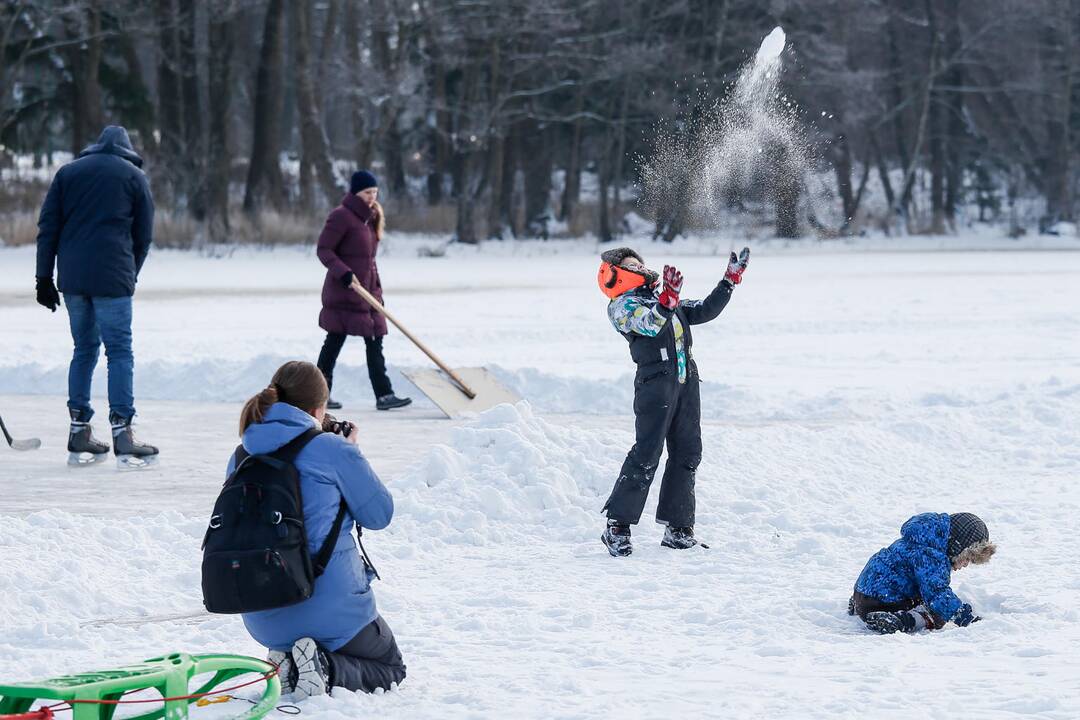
{"x":330,"y":468}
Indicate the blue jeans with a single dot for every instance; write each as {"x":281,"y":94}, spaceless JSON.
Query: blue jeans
{"x":95,"y":320}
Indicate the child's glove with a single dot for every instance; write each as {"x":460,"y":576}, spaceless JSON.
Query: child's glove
{"x":672,"y":286}
{"x":964,"y":616}
{"x":736,"y":265}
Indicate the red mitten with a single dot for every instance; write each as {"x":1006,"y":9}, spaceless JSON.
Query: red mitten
{"x":669,"y":298}
{"x":736,"y":266}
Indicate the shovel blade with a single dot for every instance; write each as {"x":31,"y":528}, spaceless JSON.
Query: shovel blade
{"x":446,"y":394}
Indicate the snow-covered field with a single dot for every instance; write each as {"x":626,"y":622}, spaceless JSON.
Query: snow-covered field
{"x":844,"y":390}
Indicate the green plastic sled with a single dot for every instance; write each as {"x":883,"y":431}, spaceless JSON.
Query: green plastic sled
{"x":170,"y":675}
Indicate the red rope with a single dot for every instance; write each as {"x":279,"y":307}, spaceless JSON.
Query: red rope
{"x":47,"y":712}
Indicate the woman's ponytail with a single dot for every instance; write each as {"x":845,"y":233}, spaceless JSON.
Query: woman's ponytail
{"x":255,"y":408}
{"x":297,"y":383}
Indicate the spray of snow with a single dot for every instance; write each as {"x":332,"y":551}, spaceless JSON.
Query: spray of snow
{"x":748,"y":144}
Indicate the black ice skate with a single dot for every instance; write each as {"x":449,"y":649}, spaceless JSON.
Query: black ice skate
{"x":888,"y":623}
{"x":83,"y":447}
{"x":312,"y":669}
{"x":130,"y":453}
{"x":617,"y":539}
{"x":680,"y":538}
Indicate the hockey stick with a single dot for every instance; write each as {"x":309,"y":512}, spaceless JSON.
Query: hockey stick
{"x":28,"y":444}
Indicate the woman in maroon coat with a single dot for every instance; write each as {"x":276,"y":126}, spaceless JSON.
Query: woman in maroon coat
{"x":347,"y":248}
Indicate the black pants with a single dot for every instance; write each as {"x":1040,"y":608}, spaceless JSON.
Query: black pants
{"x":665,"y":412}
{"x":862,"y":605}
{"x":376,"y":363}
{"x":370,"y":660}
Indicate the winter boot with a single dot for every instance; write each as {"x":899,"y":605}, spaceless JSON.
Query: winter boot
{"x":312,"y":669}
{"x":333,"y":404}
{"x":286,"y":670}
{"x":83,"y":447}
{"x":130,"y":453}
{"x":617,"y":538}
{"x":888,"y":623}
{"x":391,"y":401}
{"x":680,"y":538}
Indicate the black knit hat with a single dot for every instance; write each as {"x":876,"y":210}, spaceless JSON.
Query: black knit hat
{"x":362,"y":180}
{"x":615,"y":256}
{"x":965,"y":530}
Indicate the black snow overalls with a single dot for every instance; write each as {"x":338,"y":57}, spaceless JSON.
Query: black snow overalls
{"x":668,"y":411}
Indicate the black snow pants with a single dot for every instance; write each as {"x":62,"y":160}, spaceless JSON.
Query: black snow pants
{"x":369,"y":661}
{"x":666,"y":411}
{"x":376,"y":363}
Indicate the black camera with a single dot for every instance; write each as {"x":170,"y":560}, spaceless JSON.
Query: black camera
{"x":331,"y":424}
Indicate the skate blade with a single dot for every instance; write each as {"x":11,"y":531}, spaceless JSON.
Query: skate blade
{"x":136,"y":462}
{"x":85,"y":459}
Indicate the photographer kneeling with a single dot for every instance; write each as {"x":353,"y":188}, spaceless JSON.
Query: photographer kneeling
{"x":335,"y":638}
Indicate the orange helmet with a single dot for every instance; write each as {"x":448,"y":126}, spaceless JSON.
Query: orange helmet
{"x":614,"y":280}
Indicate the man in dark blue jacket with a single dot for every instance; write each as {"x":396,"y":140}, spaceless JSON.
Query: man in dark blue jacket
{"x":95,"y":227}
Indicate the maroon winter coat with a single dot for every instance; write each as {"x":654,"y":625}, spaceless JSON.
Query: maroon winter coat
{"x":348,"y":244}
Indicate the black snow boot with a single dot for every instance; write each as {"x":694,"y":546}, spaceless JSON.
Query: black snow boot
{"x":617,"y":539}
{"x":333,"y":404}
{"x":313,"y":669}
{"x":680,"y":538}
{"x":391,"y":401}
{"x":83,"y":447}
{"x":130,"y":453}
{"x":888,"y":623}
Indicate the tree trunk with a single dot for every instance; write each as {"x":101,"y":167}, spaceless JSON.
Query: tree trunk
{"x":954,"y":108}
{"x":264,"y":179}
{"x":538,"y":167}
{"x":572,"y":185}
{"x":87,"y":117}
{"x":219,"y":157}
{"x":937,"y":128}
{"x":194,"y":146}
{"x":360,"y":147}
{"x":170,"y":103}
{"x":314,"y":154}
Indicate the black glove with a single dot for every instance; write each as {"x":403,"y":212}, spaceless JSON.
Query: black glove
{"x":346,"y":279}
{"x":46,"y":293}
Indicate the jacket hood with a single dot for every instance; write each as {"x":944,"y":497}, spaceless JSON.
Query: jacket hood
{"x":281,"y":424}
{"x":928,"y":529}
{"x":114,"y":140}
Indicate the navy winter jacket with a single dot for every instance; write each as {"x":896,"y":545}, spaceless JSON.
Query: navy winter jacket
{"x":97,"y":221}
{"x":914,"y":567}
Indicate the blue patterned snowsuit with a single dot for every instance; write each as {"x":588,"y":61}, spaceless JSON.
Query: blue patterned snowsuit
{"x":915,"y":567}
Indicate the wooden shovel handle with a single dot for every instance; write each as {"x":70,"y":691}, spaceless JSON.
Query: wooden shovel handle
{"x":370,"y":299}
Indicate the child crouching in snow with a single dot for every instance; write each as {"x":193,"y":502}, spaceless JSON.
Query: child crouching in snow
{"x":905,"y":586}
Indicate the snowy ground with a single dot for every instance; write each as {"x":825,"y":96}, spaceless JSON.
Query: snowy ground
{"x":844,"y":391}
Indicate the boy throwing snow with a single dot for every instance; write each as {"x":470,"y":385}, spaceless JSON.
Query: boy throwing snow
{"x":667,"y":403}
{"x":905,"y":586}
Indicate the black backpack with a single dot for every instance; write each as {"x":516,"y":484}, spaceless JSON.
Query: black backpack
{"x":255,"y":552}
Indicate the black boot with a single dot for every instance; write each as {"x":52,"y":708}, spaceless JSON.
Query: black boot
{"x":333,"y":404}
{"x":888,"y":623}
{"x":617,"y":538}
{"x":680,"y":538}
{"x":391,"y":401}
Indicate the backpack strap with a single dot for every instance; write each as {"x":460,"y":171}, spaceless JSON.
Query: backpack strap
{"x":287,"y":453}
{"x":322,"y":559}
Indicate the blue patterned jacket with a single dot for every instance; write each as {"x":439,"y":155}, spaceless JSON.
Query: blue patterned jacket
{"x":914,"y":567}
